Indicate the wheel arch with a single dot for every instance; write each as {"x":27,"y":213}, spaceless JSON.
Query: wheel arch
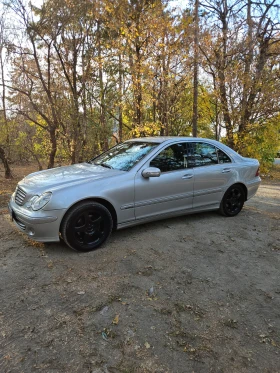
{"x":102,"y":201}
{"x":243,"y":186}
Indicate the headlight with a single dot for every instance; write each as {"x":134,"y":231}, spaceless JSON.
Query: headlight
{"x":38,"y":202}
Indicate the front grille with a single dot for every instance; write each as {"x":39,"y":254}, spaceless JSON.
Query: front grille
{"x":20,"y":196}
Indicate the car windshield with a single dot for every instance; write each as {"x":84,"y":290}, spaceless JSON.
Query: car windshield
{"x":124,"y":156}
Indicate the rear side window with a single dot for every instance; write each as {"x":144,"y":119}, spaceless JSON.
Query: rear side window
{"x":223,"y":158}
{"x":203,"y":154}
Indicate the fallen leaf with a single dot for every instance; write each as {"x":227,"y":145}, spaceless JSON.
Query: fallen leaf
{"x":147,"y":345}
{"x":116,"y":320}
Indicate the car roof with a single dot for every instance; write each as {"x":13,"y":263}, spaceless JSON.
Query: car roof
{"x":161,"y":139}
{"x":170,"y":139}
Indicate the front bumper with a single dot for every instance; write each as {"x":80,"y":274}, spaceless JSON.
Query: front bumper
{"x":39,"y":225}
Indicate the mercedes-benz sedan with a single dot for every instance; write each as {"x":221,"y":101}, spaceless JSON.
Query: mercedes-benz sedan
{"x":137,"y":181}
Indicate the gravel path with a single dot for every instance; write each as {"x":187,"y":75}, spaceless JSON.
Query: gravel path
{"x":199,"y":293}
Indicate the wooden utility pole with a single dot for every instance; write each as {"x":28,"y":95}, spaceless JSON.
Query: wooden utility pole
{"x":195,"y":71}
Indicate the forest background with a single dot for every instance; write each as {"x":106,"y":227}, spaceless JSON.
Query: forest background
{"x":77,"y":77}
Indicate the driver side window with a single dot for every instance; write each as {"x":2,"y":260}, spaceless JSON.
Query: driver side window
{"x":170,"y":159}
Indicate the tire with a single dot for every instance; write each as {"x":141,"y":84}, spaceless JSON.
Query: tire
{"x":232,"y":201}
{"x":86,"y":226}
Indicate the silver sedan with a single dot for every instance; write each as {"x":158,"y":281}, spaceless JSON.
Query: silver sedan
{"x":140,"y":180}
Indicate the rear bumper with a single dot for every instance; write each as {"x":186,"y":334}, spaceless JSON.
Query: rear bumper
{"x":252,"y":187}
{"x":40,"y":225}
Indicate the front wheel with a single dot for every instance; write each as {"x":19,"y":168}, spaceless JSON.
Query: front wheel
{"x":86,"y":226}
{"x":232,"y":201}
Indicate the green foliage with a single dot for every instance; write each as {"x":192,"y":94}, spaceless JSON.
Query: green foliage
{"x":90,"y":74}
{"x":32,"y":142}
{"x":263,"y":143}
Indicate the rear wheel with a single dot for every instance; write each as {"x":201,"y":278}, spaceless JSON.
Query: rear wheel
{"x":232,"y":201}
{"x":86,"y":226}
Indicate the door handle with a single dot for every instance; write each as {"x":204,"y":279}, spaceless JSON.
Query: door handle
{"x":225,"y":170}
{"x":187,"y":176}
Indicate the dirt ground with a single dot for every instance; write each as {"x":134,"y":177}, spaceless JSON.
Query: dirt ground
{"x":199,"y":293}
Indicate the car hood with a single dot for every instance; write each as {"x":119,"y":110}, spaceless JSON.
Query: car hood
{"x":60,"y":176}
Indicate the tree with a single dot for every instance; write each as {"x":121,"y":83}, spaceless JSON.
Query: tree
{"x":4,"y":133}
{"x":195,"y":69}
{"x":240,"y":58}
{"x":90,"y":74}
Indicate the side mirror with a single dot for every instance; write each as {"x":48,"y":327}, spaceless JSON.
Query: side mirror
{"x":151,"y":172}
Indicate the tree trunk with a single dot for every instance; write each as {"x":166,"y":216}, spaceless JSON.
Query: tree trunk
{"x":104,"y":132}
{"x":221,"y":63}
{"x":247,"y":68}
{"x":40,"y":167}
{"x":135,"y":66}
{"x":138,"y":90}
{"x":195,"y":72}
{"x":4,"y":100}
{"x":53,"y":148}
{"x":120,"y":99}
{"x":8,"y":172}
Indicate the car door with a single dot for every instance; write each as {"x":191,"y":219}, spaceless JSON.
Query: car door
{"x":213,"y":170}
{"x":170,"y":192}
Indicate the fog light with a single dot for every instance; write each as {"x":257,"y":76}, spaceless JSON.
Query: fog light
{"x":31,"y":232}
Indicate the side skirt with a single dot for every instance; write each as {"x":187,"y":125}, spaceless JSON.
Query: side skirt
{"x":166,"y":216}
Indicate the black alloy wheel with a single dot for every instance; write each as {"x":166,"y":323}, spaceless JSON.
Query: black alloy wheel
{"x":86,"y":226}
{"x":232,"y":201}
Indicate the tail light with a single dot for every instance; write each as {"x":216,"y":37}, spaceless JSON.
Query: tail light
{"x":258,"y":172}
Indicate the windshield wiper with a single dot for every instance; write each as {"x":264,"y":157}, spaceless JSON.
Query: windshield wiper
{"x":104,"y":165}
